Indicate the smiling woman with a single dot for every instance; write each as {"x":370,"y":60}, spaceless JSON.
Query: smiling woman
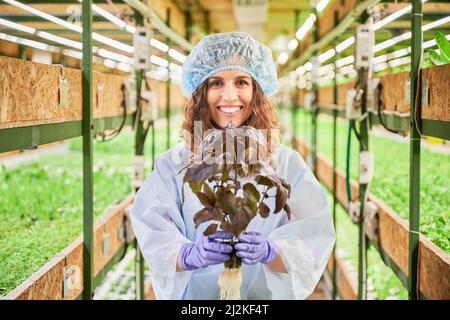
{"x":229,"y":98}
{"x":227,"y":78}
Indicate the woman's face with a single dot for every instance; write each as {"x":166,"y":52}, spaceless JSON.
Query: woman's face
{"x":229,"y":96}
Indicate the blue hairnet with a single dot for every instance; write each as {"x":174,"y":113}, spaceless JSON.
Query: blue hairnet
{"x":232,"y":50}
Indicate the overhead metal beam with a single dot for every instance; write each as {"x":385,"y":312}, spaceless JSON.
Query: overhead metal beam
{"x":148,"y":12}
{"x":67,"y":1}
{"x":18,"y":17}
{"x":32,"y":136}
{"x":326,"y":39}
{"x":427,"y":16}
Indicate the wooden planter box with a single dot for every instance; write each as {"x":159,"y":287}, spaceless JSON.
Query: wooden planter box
{"x":29,"y":94}
{"x":393,"y":94}
{"x":347,"y":284}
{"x":434,"y":263}
{"x":48,"y":282}
{"x":438,"y":106}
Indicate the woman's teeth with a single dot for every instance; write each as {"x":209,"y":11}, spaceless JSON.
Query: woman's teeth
{"x":230,"y":110}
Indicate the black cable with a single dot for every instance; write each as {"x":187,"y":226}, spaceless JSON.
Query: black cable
{"x":347,"y":167}
{"x":380,"y":117}
{"x":116,"y":132}
{"x":358,"y":136}
{"x":416,"y":99}
{"x":125,"y":235}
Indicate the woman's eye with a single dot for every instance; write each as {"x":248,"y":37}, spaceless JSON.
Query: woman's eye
{"x":215,"y":83}
{"x":242,"y":82}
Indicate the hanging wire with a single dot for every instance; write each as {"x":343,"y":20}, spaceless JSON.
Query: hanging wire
{"x":416,"y":96}
{"x":115,"y":133}
{"x":380,"y":117}
{"x":347,"y":168}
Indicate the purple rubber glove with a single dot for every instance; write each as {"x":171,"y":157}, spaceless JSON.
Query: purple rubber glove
{"x":253,"y":247}
{"x":205,"y":251}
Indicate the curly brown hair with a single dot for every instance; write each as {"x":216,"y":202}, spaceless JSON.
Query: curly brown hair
{"x":263,"y":116}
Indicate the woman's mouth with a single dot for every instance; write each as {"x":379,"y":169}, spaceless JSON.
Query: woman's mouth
{"x":230,"y":110}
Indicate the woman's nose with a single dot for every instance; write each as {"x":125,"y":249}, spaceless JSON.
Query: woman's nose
{"x":230,"y":92}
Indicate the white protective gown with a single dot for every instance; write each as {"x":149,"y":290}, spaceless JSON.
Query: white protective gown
{"x":162,"y":225}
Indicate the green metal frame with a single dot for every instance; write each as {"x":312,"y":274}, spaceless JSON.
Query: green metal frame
{"x":363,"y":189}
{"x":433,"y":128}
{"x":168,"y":87}
{"x":414,"y":157}
{"x":118,"y":256}
{"x":140,"y":137}
{"x":21,"y":17}
{"x":29,"y":137}
{"x":335,"y":101}
{"x":315,"y":107}
{"x":88,"y":182}
{"x":388,"y":261}
{"x":32,"y":136}
{"x":321,"y":43}
{"x":436,"y":128}
{"x":295,"y":105}
{"x":402,"y":124}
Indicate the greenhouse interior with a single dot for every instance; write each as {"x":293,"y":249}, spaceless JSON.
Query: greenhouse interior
{"x":92,"y":94}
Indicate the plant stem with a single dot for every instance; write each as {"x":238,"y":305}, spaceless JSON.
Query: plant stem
{"x":234,"y":262}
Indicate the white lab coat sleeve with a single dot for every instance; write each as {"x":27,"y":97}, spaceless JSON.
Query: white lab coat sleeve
{"x":160,"y":231}
{"x":306,"y":241}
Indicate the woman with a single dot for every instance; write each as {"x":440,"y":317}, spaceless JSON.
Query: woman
{"x":227,"y":78}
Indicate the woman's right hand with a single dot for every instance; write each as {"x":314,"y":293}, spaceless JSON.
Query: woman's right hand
{"x":205,"y":251}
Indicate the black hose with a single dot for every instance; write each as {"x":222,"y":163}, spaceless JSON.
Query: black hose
{"x":116,"y":132}
{"x":347,"y":169}
{"x":380,"y":117}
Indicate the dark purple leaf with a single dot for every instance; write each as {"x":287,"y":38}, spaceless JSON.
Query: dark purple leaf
{"x":225,"y":226}
{"x":265,"y":181}
{"x":263,"y":210}
{"x":210,"y":230}
{"x":205,"y":200}
{"x":200,"y":172}
{"x":207,"y":190}
{"x":288,"y":210}
{"x":217,"y":214}
{"x":202,"y":216}
{"x":251,"y":191}
{"x":280,"y":199}
{"x":226,"y":201}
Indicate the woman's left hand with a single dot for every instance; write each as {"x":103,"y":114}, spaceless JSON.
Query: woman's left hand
{"x":253,"y":247}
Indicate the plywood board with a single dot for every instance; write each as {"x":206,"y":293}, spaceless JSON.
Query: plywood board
{"x":393,"y":92}
{"x":325,"y":96}
{"x":438,"y":106}
{"x":149,"y":293}
{"x":396,"y":86}
{"x":110,"y":226}
{"x":74,"y":260}
{"x":326,"y":20}
{"x":347,"y":284}
{"x":434,"y":270}
{"x":176,"y":96}
{"x":29,"y":94}
{"x":177,"y":18}
{"x":9,"y":49}
{"x":47,"y":282}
